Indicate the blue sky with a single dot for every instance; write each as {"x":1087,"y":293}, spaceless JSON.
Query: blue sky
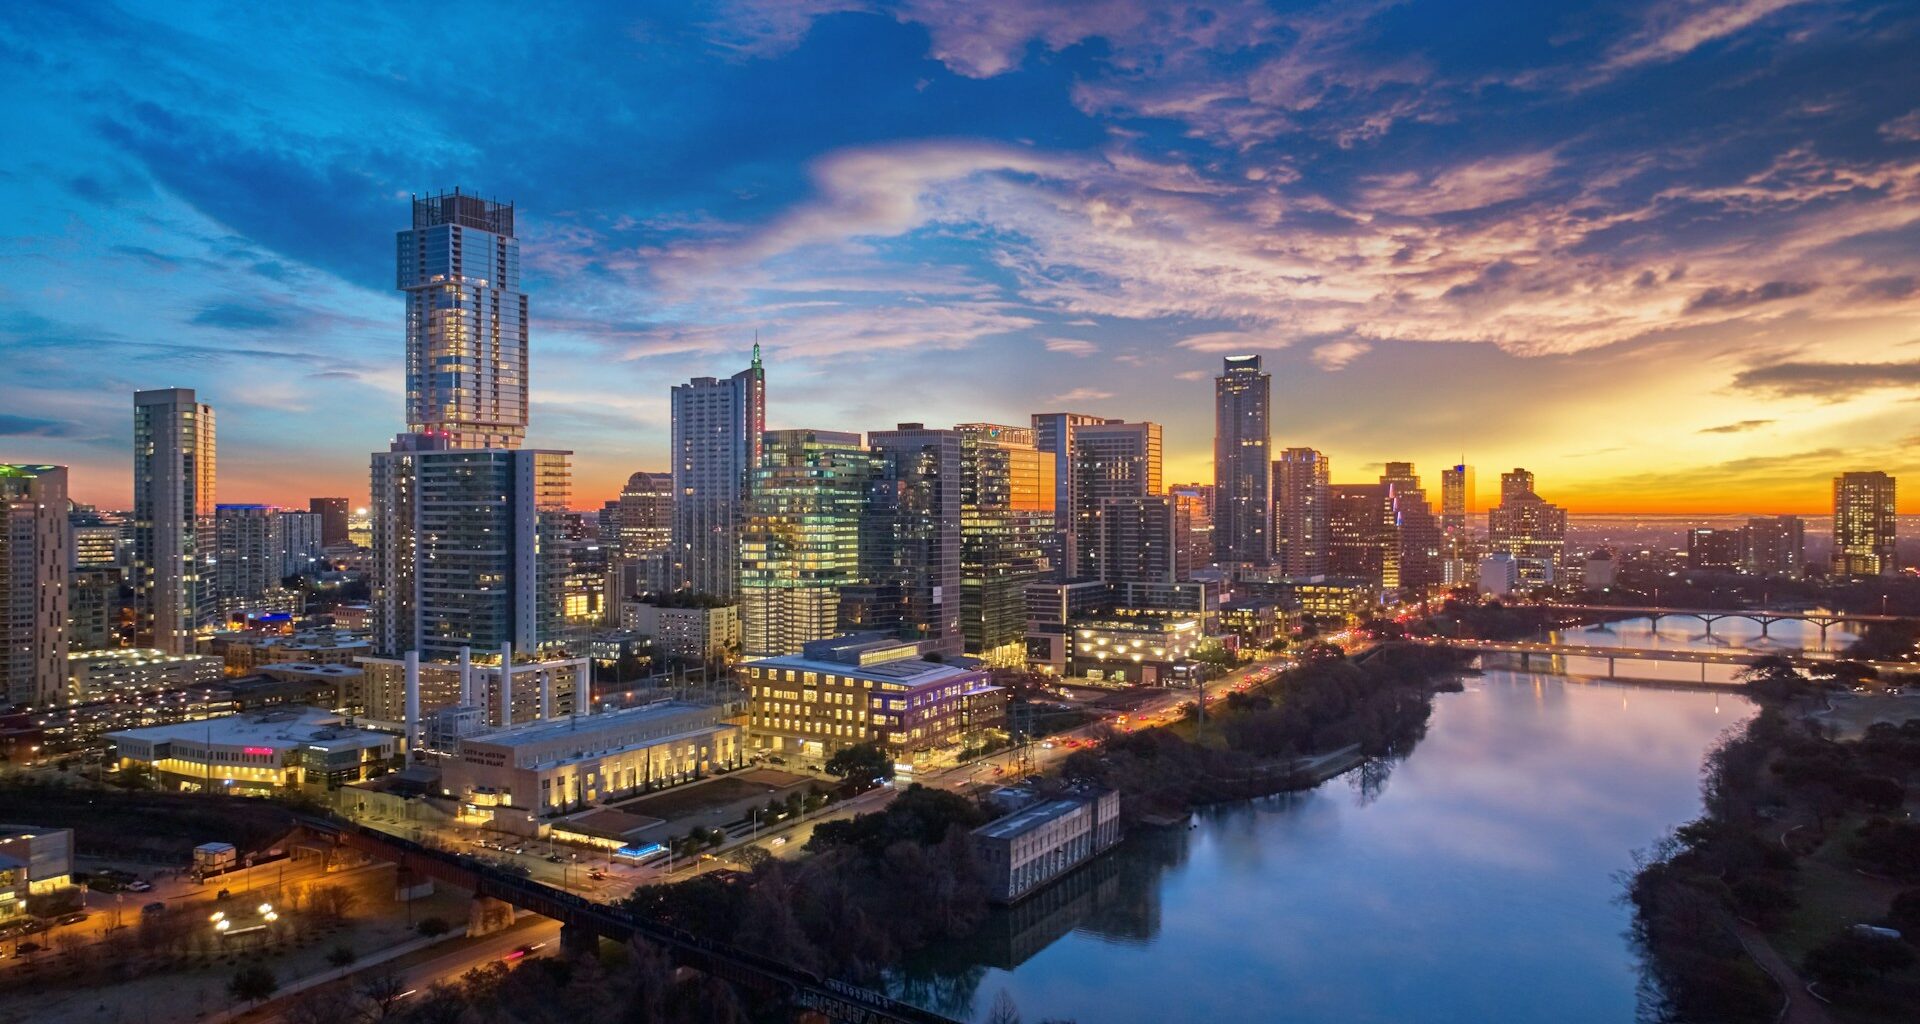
{"x":1667,"y":255}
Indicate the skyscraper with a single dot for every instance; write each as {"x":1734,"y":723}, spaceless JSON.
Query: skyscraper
{"x":1192,"y":527}
{"x":1421,"y":541}
{"x":1242,"y":466}
{"x":1006,"y":522}
{"x":173,"y":502}
{"x":1529,"y":528}
{"x":1300,"y":483}
{"x":256,"y":547}
{"x":1456,"y":499}
{"x":718,"y":426}
{"x":800,"y":546}
{"x":333,"y":519}
{"x":641,"y":536}
{"x":910,"y":539}
{"x":34,"y":557}
{"x":1776,"y":546}
{"x":1107,"y":461}
{"x":467,"y":548}
{"x":459,"y":265}
{"x":1863,"y":525}
{"x":1053,"y":432}
{"x":1363,"y":534}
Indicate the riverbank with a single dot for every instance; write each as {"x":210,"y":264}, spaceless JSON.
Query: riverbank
{"x":1807,"y":843}
{"x":1325,"y":716}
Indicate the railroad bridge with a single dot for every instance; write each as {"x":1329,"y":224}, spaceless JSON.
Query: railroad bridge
{"x":583,"y":921}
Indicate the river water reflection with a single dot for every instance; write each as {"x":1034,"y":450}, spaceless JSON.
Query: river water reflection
{"x":1476,"y":882}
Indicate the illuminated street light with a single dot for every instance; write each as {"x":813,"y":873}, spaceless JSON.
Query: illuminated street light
{"x":222,"y":925}
{"x":266,"y":908}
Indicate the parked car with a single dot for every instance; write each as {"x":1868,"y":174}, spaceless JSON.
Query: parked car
{"x":153,"y":908}
{"x":74,"y":918}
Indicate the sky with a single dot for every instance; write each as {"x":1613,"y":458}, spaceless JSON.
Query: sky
{"x":1666,"y":255}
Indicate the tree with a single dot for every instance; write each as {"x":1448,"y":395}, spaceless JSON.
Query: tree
{"x":382,"y":989}
{"x":1003,"y":1011}
{"x":1878,"y":792}
{"x":1775,"y":677}
{"x":341,"y":956}
{"x":433,"y":927}
{"x":252,"y":984}
{"x":1849,"y":959}
{"x":1764,"y":899}
{"x":861,"y":764}
{"x":1904,"y":914}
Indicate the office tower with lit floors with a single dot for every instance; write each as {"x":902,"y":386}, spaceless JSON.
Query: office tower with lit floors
{"x":1864,"y":525}
{"x":1006,"y":521}
{"x":1530,"y":529}
{"x":800,"y":546}
{"x":1300,"y":484}
{"x":173,"y":519}
{"x":1242,"y":465}
{"x":34,"y":563}
{"x":1422,"y":540}
{"x":718,"y":426}
{"x":459,"y":265}
{"x":910,"y":540}
{"x":1108,"y":461}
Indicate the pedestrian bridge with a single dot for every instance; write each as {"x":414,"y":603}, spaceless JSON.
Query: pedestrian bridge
{"x":1825,"y":620}
{"x":582,"y":920}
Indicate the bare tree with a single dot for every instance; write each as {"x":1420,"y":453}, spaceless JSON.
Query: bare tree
{"x":382,"y":989}
{"x":1003,"y":1011}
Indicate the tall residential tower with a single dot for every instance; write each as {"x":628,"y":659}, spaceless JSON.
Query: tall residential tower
{"x":466,"y":322}
{"x":1300,"y":484}
{"x":1863,"y":525}
{"x":35,"y":543}
{"x":173,"y":509}
{"x":718,"y":427}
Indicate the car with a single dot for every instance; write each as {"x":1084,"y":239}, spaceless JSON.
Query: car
{"x":154,"y":908}
{"x":74,"y":918}
{"x":776,"y":760}
{"x":27,"y":947}
{"x":521,"y":953}
{"x":778,"y":841}
{"x":139,"y":885}
{"x":222,"y":894}
{"x":555,"y":858}
{"x":596,"y":874}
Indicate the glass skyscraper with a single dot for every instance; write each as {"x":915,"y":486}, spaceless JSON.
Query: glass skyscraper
{"x":801,"y":543}
{"x":466,"y":322}
{"x":1863,"y":525}
{"x":1242,"y":465}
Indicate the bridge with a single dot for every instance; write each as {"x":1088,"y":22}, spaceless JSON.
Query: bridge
{"x":1709,"y":616}
{"x":1528,"y":650}
{"x":583,"y":920}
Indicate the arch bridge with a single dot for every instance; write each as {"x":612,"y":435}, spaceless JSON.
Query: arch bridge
{"x":1708,"y":616}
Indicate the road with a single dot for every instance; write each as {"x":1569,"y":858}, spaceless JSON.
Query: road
{"x":421,"y":970}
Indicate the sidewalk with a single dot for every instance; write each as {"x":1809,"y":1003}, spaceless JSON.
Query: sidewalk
{"x":1801,"y":1007}
{"x":374,"y":959}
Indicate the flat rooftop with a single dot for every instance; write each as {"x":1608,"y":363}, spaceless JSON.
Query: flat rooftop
{"x":279,"y":729}
{"x":1031,"y":818}
{"x":906,"y":671}
{"x":551,"y":729}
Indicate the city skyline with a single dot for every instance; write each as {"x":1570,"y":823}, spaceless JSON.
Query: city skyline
{"x":1563,"y":274}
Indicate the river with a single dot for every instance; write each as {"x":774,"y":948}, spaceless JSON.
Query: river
{"x":1475,"y":881}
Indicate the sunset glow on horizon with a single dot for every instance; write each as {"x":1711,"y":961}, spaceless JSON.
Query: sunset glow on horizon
{"x":1484,"y":233}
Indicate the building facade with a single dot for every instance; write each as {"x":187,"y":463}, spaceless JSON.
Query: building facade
{"x":1025,"y":850}
{"x":1363,"y":534}
{"x":333,"y":514}
{"x":1006,"y":522}
{"x":467,"y":548}
{"x":801,"y":543}
{"x":459,"y":265}
{"x":1529,"y":528}
{"x":1864,"y":525}
{"x":257,"y":754}
{"x":642,"y":537}
{"x":1242,"y":463}
{"x":700,"y":631}
{"x":125,"y":671}
{"x":34,"y":583}
{"x":552,"y":767}
{"x":173,"y":508}
{"x":868,"y":688}
{"x":718,"y":426}
{"x":1776,"y":546}
{"x":910,"y":540}
{"x":1301,"y":482}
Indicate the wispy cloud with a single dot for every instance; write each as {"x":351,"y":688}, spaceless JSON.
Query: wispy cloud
{"x":1741,"y":427}
{"x":1830,"y":381}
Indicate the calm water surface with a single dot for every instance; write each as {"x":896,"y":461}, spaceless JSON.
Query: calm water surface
{"x":1476,"y":882}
